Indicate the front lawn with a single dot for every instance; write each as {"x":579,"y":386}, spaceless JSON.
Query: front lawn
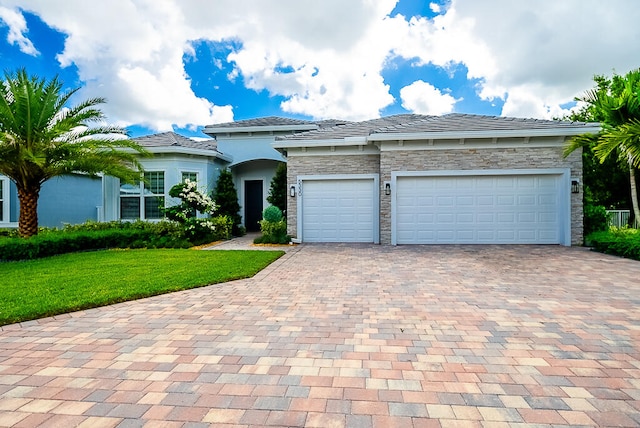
{"x":70,"y":282}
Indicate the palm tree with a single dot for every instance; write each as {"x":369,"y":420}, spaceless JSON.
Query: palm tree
{"x":615,"y":104}
{"x":41,"y":138}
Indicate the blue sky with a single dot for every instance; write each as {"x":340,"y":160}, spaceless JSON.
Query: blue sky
{"x":176,"y":65}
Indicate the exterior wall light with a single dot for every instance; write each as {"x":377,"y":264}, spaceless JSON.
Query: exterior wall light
{"x":387,"y":188}
{"x":292,"y":191}
{"x":575,"y":185}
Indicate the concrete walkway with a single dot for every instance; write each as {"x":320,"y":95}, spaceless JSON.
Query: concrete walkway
{"x":348,"y":336}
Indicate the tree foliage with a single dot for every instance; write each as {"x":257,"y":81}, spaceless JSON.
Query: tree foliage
{"x":225,"y":197}
{"x":41,"y":137}
{"x":615,"y":103}
{"x":278,"y":189}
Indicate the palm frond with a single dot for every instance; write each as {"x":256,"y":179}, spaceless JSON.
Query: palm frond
{"x":579,"y":142}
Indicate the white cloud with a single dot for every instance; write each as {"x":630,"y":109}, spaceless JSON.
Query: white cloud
{"x":17,"y":29}
{"x":542,"y":54}
{"x":423,"y":98}
{"x":327,"y":58}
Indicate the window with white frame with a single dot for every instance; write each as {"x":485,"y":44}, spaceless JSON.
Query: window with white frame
{"x":191,"y":176}
{"x":146,"y":204}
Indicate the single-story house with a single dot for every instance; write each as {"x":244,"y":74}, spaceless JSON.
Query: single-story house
{"x":403,"y":179}
{"x":452,"y":179}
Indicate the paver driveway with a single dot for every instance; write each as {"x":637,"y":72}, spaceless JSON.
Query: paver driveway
{"x":352,"y":336}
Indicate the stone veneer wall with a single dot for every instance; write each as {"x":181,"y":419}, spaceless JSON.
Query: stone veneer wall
{"x":324,"y":165}
{"x":472,"y":159}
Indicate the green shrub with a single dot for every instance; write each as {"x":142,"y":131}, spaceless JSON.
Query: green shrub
{"x":278,"y":188}
{"x":272,"y":214}
{"x":9,"y":232}
{"x":226,"y":199}
{"x":596,"y":219}
{"x":93,"y":236}
{"x":273,"y":232}
{"x":204,"y":230}
{"x":620,"y":242}
{"x":273,"y":227}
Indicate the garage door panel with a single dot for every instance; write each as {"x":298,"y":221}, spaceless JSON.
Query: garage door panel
{"x":478,"y":209}
{"x":338,"y":210}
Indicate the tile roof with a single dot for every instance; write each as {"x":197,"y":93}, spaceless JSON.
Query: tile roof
{"x":262,"y":121}
{"x":171,"y":139}
{"x":416,"y":123}
{"x":474,"y":122}
{"x":354,"y":129}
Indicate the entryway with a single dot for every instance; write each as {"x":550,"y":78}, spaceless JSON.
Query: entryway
{"x":253,"y":197}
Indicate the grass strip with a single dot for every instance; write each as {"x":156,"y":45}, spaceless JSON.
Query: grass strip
{"x":71,"y":282}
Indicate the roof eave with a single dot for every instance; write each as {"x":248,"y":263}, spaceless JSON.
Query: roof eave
{"x":347,"y":141}
{"x":212,"y":130}
{"x":505,"y":133}
{"x":187,"y":151}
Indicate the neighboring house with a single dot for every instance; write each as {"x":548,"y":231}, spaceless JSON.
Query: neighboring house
{"x":453,"y":179}
{"x":77,"y":198}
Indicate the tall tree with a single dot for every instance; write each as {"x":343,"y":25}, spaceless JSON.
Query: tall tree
{"x":615,"y":103}
{"x":41,"y":137}
{"x":278,"y":189}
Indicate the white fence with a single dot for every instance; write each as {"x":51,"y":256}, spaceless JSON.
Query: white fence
{"x":620,"y":218}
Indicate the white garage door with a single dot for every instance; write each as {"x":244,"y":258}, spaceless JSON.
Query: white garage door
{"x":338,"y":210}
{"x":501,"y":209}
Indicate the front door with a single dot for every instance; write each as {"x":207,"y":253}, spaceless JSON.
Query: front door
{"x":252,"y":204}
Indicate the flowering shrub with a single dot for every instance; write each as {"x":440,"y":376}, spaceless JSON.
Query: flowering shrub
{"x":197,"y":230}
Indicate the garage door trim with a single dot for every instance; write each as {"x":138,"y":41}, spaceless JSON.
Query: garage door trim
{"x":375,"y":198}
{"x":564,"y":197}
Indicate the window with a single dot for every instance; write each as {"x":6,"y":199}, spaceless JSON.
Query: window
{"x":2,"y":200}
{"x":191,"y":176}
{"x":147,"y":204}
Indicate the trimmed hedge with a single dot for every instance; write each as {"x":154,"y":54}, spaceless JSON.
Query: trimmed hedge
{"x":620,"y":242}
{"x":51,"y":243}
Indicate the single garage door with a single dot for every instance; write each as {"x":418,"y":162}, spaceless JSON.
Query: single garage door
{"x":340,"y":210}
{"x":500,"y":209}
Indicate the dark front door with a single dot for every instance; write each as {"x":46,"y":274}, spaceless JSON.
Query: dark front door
{"x":252,"y":205}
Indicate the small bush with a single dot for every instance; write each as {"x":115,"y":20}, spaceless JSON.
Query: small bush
{"x":273,"y":227}
{"x":596,"y":219}
{"x":9,"y":232}
{"x":272,"y":214}
{"x":622,"y":242}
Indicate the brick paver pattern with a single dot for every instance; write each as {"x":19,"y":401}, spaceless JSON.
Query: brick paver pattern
{"x":348,"y":336}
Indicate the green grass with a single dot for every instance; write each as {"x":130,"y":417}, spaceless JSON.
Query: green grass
{"x":70,"y":282}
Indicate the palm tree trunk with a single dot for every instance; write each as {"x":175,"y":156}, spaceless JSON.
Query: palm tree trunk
{"x":634,"y":192}
{"x":28,"y":220}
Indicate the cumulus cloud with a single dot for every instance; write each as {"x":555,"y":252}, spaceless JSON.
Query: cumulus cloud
{"x":539,"y":55}
{"x":326,"y":59}
{"x":17,"y":29}
{"x":423,"y":98}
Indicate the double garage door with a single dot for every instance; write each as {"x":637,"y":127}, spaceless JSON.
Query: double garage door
{"x":451,"y":209}
{"x":483,"y":209}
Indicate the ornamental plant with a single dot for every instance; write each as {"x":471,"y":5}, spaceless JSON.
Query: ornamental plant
{"x":225,"y":197}
{"x":278,"y":190}
{"x":197,"y":230}
{"x":273,"y":227}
